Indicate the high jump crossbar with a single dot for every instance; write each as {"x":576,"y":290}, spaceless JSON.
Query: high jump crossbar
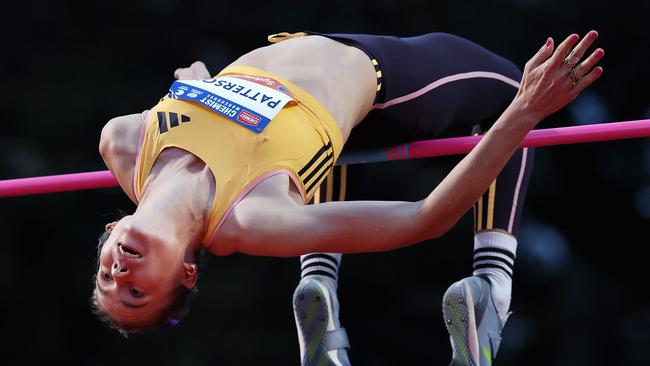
{"x":414,"y":150}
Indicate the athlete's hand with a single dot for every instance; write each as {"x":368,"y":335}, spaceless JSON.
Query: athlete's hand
{"x":196,"y":71}
{"x":551,"y":80}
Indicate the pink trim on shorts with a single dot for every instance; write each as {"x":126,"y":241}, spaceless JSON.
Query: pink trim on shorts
{"x":517,"y":189}
{"x":136,"y":168}
{"x":249,"y":188}
{"x":446,"y":80}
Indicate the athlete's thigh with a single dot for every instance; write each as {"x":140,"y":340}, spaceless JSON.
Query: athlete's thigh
{"x":435,"y":83}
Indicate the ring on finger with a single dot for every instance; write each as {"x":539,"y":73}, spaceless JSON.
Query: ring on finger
{"x":573,"y":74}
{"x":572,"y":61}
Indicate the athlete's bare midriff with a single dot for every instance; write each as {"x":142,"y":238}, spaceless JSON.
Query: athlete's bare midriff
{"x":342,"y":78}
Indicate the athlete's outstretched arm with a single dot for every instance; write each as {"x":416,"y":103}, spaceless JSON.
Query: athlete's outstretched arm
{"x":288,"y":229}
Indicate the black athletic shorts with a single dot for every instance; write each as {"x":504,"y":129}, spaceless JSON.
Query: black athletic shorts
{"x":430,"y":85}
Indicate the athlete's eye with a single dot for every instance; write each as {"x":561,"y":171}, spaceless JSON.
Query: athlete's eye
{"x":136,"y":293}
{"x":105,"y":276}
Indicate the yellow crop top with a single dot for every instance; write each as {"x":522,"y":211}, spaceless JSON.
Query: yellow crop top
{"x":302,"y":141}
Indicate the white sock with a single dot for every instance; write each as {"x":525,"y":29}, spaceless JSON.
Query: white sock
{"x":494,"y":257}
{"x":323,"y":265}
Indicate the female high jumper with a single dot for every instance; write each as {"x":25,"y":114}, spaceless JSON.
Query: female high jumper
{"x":227,"y":164}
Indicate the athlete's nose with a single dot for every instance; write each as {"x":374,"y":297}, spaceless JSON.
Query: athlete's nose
{"x":118,"y":270}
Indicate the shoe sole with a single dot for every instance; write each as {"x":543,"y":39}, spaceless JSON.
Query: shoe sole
{"x":310,"y":303}
{"x":458,"y":312}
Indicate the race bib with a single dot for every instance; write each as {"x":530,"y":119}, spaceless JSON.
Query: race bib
{"x":250,"y":101}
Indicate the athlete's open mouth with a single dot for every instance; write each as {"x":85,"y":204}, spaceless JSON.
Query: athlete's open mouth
{"x":128,"y":251}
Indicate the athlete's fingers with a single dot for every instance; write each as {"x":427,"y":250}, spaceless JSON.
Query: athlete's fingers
{"x":584,"y":67}
{"x":574,"y":57}
{"x":588,"y":79}
{"x":563,"y":49}
{"x":199,"y":70}
{"x":542,"y":55}
{"x":199,"y":65}
{"x":183,"y":73}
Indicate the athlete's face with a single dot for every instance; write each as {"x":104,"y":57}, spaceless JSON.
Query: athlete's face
{"x":138,"y":273}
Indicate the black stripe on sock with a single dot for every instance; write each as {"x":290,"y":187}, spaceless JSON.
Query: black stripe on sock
{"x":319,"y":273}
{"x":495,"y":250}
{"x":493,"y":265}
{"x":319,"y":256}
{"x":320,"y":264}
{"x":494,"y":258}
{"x":318,"y":154}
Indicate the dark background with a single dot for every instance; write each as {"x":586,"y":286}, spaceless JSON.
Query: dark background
{"x":580,"y":292}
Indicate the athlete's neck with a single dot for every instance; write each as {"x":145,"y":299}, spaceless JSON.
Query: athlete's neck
{"x":176,"y":202}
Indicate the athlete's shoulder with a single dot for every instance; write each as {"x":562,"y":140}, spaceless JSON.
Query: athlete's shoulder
{"x":118,"y":146}
{"x":121,"y":134}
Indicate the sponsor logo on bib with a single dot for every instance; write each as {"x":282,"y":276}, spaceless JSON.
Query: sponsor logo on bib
{"x":248,"y":118}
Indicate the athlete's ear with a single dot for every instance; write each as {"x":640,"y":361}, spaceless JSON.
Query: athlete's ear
{"x":189,"y":274}
{"x":110,"y":226}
